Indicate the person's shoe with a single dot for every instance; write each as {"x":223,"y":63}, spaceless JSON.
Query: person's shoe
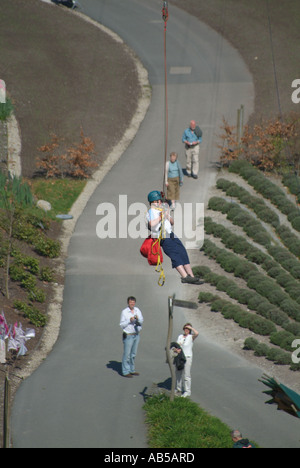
{"x":134,"y":373}
{"x":185,"y":395}
{"x":128,"y":376}
{"x":195,"y":176}
{"x":191,"y":280}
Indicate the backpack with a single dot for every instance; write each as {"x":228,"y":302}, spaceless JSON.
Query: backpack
{"x":198,"y":131}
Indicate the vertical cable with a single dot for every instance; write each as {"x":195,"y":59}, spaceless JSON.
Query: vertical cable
{"x":165,"y":16}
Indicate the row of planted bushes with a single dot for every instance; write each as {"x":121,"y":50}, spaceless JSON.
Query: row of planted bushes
{"x":278,"y":356}
{"x":240,"y":245}
{"x":251,"y":299}
{"x":252,"y":226}
{"x":245,"y":319}
{"x":26,"y":271}
{"x":255,"y":280}
{"x":240,"y":217}
{"x":256,"y":204}
{"x":268,"y":189}
{"x":292,"y":181}
{"x":30,"y":227}
{"x":258,"y":325}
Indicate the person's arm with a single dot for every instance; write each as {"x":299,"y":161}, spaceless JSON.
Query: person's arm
{"x":139,"y":316}
{"x":185,"y":138}
{"x":166,"y":173}
{"x":124,"y":322}
{"x":154,"y":217}
{"x":195,"y":333}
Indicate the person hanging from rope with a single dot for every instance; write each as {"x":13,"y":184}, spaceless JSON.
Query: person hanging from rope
{"x":160,"y":225}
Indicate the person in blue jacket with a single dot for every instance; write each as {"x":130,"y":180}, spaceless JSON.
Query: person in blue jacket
{"x":238,"y":440}
{"x":192,"y":137}
{"x":173,"y":179}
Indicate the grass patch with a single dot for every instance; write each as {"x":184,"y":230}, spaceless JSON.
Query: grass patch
{"x":183,"y":424}
{"x":61,"y":193}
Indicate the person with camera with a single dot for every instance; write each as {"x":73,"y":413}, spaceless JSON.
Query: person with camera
{"x":131,"y":324}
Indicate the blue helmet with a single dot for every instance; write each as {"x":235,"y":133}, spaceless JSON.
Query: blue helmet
{"x":154,"y":196}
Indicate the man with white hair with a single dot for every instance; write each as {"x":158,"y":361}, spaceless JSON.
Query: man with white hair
{"x":192,"y":137}
{"x":238,"y":440}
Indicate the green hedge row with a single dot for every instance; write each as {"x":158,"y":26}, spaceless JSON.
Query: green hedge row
{"x":30,"y":228}
{"x":253,"y":228}
{"x":264,"y":286}
{"x":256,"y":204}
{"x":251,"y":299}
{"x":282,"y":339}
{"x":240,"y":217}
{"x":292,"y":181}
{"x":278,"y":356}
{"x":269,"y":190}
{"x":253,"y":322}
{"x":239,"y":245}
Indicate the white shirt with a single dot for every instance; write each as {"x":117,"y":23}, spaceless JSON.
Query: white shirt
{"x":186,"y":343}
{"x":153,"y":214}
{"x":126,"y":324}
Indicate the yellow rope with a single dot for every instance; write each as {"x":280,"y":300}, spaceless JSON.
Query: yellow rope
{"x":159,"y":268}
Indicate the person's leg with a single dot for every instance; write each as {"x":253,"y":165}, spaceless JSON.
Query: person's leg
{"x":188,"y":270}
{"x":188,"y":154}
{"x":133,"y":352}
{"x":128,"y":343}
{"x":195,"y":161}
{"x":187,"y":381}
{"x":178,"y":388}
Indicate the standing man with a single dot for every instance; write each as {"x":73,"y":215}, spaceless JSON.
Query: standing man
{"x":131,"y":324}
{"x":192,"y":137}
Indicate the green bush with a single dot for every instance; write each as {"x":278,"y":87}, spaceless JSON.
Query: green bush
{"x":47,"y":247}
{"x":6,"y":109}
{"x":34,"y":315}
{"x":47,"y":275}
{"x":284,"y":339}
{"x":278,"y":356}
{"x":37,"y":295}
{"x":28,"y":282}
{"x":17,"y":273}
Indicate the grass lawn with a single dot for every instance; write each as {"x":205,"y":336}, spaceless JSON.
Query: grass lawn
{"x":183,"y":424}
{"x":61,"y":193}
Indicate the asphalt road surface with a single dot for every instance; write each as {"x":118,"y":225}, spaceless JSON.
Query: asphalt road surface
{"x":77,"y":397}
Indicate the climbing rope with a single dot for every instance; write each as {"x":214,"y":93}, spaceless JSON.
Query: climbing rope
{"x":165,"y":16}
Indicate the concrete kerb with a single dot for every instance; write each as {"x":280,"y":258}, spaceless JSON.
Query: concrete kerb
{"x":51,"y":332}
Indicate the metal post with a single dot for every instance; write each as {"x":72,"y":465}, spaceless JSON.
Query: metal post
{"x":170,"y":332}
{"x":238,"y":129}
{"x":6,"y":415}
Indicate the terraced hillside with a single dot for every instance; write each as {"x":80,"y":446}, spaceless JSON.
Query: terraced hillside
{"x":250,"y":261}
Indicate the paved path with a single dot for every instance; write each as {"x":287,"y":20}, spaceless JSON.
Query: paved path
{"x":77,"y":398}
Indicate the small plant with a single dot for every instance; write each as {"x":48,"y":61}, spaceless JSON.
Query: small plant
{"x":6,"y":109}
{"x":264,"y":145}
{"x":47,"y":275}
{"x":34,"y":315}
{"x":74,"y":162}
{"x":47,"y":247}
